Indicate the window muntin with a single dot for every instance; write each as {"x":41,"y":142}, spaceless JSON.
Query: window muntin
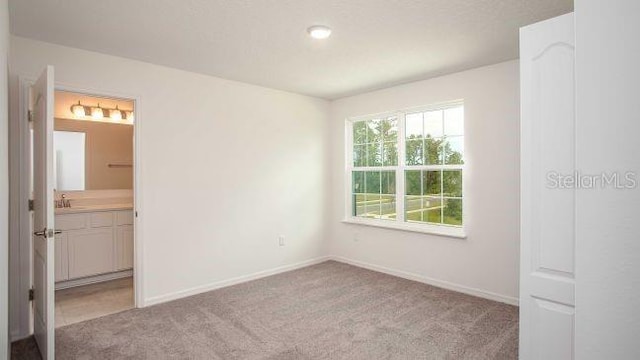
{"x":424,"y":164}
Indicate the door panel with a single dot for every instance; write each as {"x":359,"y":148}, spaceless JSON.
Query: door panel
{"x":547,"y":243}
{"x":61,"y":258}
{"x":124,"y":247}
{"x":43,"y":218}
{"x":90,"y":252}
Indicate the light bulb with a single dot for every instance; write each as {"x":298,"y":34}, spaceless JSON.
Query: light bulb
{"x":115,"y":114}
{"x":78,"y":110}
{"x":319,"y":32}
{"x":96,"y":112}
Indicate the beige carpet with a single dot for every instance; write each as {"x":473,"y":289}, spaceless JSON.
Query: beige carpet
{"x":326,"y":311}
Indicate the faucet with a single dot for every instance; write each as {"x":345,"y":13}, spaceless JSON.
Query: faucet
{"x":63,"y":202}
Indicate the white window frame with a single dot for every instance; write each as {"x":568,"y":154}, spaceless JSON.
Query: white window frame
{"x":400,"y":223}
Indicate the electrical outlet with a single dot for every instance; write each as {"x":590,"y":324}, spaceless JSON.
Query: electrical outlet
{"x":356,"y":237}
{"x":281,"y":240}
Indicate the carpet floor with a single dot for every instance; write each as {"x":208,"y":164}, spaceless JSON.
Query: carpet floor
{"x":326,"y":311}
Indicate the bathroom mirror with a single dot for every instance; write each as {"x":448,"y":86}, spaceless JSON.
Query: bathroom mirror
{"x":69,"y":160}
{"x":92,"y":155}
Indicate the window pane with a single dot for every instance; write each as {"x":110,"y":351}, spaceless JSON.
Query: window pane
{"x":358,"y":182}
{"x":372,"y":205}
{"x":390,"y":154}
{"x":388,"y":207}
{"x":389,"y":129}
{"x":413,"y":208}
{"x":453,"y":150}
{"x":359,"y":132}
{"x":413,"y":126}
{"x":452,"y":211}
{"x":413,"y":182}
{"x":454,"y":121}
{"x":372,"y":182}
{"x":415,"y":150}
{"x":433,"y":216}
{"x":374,"y":154}
{"x":432,"y":182}
{"x":373,"y":132}
{"x":388,"y":182}
{"x":433,"y":153}
{"x":358,"y":204}
{"x":433,"y":123}
{"x":452,"y":183}
{"x":360,"y":155}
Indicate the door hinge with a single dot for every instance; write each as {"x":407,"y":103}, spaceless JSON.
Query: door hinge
{"x":30,"y":115}
{"x":31,"y":205}
{"x":31,"y":294}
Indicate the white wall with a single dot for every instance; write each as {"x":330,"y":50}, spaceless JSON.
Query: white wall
{"x":225,"y":167}
{"x":486,"y":262}
{"x":608,"y":230}
{"x":4,"y":178}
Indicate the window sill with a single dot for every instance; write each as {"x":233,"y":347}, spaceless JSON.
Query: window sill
{"x":442,"y":230}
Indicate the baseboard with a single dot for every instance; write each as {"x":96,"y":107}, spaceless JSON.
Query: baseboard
{"x":233,"y":281}
{"x":93,"y":279}
{"x":17,"y":336}
{"x":430,"y":281}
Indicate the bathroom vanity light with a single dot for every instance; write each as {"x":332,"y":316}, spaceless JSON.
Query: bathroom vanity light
{"x":319,"y":31}
{"x":99,"y":113}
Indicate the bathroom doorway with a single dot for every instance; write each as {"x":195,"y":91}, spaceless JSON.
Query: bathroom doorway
{"x":94,"y":167}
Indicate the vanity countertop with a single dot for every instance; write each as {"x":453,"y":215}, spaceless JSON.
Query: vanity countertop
{"x":93,"y":208}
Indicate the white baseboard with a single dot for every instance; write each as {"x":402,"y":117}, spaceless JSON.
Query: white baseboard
{"x":93,"y":279}
{"x":233,"y":281}
{"x":261,"y":274}
{"x":430,"y":281}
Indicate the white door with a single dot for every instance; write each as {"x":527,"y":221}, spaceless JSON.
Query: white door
{"x":43,"y":214}
{"x":547,"y":234}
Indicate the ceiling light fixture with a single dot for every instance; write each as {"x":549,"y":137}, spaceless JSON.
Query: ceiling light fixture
{"x":319,"y":31}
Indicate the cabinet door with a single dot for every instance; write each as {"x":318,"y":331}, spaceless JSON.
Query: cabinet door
{"x":124,"y":247}
{"x":90,"y":252}
{"x":61,"y":257}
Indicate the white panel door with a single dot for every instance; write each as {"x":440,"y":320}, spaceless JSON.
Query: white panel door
{"x":43,"y":217}
{"x":547,"y":237}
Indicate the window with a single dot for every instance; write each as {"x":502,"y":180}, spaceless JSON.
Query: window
{"x":405,"y":168}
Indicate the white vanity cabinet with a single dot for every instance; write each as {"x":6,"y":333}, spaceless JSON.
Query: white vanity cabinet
{"x":93,"y":243}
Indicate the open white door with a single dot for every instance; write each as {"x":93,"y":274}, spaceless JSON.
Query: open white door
{"x":43,"y":221}
{"x":548,"y":210}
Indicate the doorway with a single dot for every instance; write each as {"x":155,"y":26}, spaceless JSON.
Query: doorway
{"x":93,"y":166}
{"x":125,"y":221}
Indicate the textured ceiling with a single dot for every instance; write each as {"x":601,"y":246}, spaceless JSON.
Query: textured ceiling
{"x":375,"y":43}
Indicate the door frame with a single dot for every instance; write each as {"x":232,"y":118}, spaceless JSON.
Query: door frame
{"x":24,"y":249}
